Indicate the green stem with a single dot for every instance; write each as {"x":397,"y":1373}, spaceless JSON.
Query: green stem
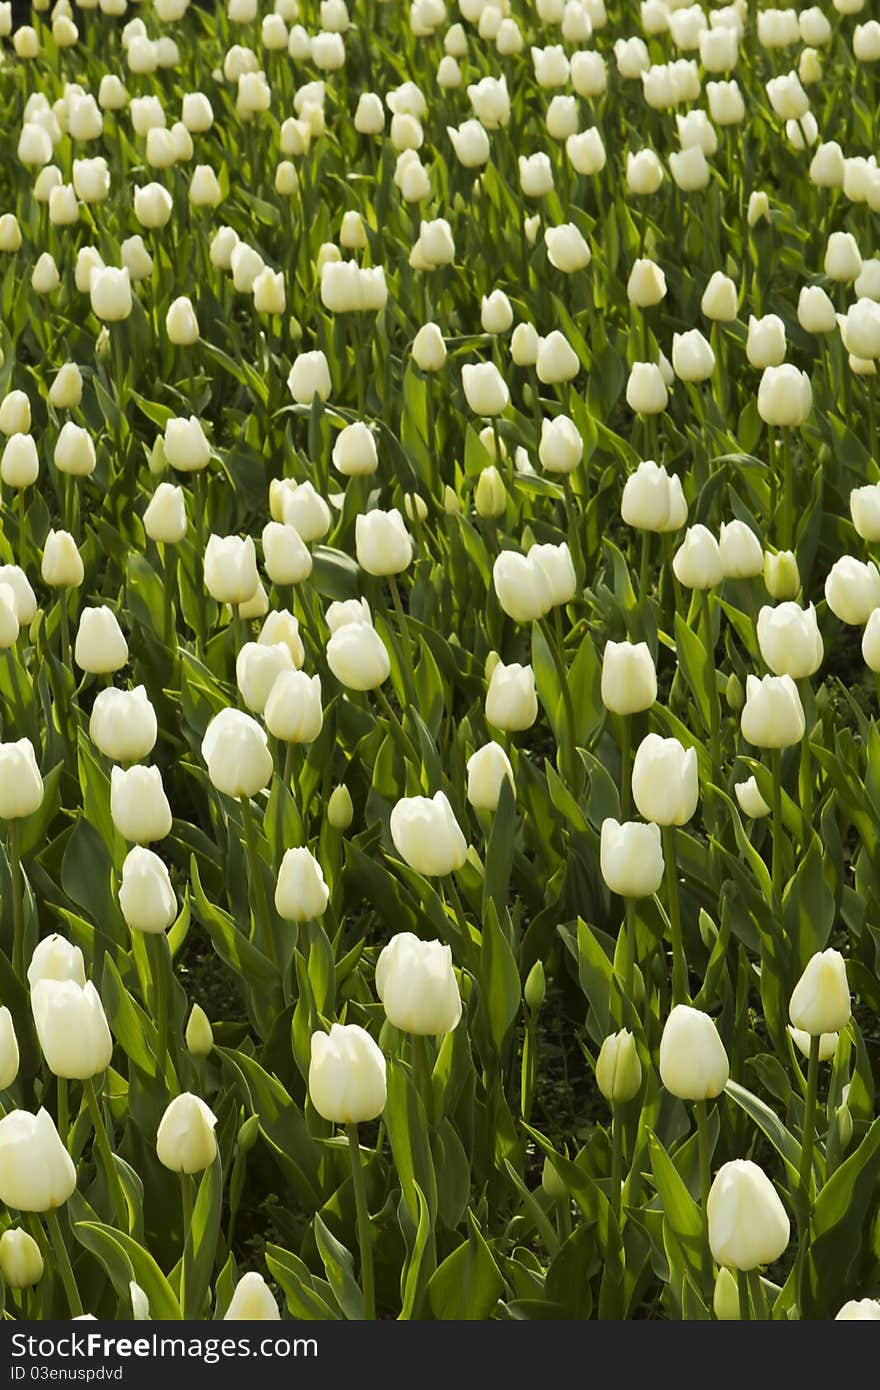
{"x":679,"y":964}
{"x":700,"y":1111}
{"x":397,"y":728}
{"x":809,"y":1134}
{"x":423,"y":1073}
{"x":787,"y":517}
{"x":65,"y":630}
{"x":22,"y":532}
{"x":258,"y":888}
{"x":186,"y":1204}
{"x":65,"y":1269}
{"x":616,"y":1159}
{"x":160,"y":984}
{"x":625,"y":767}
{"x":778,"y":828}
{"x":103,"y":1142}
{"x":200,"y":503}
{"x":742,"y":1287}
{"x":409,"y":672}
{"x":363,"y":1221}
{"x":711,"y":687}
{"x":644,"y":566}
{"x":169,"y":556}
{"x":759,"y":1302}
{"x":17,"y":897}
{"x":629,"y":946}
{"x":567,"y":702}
{"x":63,"y":1116}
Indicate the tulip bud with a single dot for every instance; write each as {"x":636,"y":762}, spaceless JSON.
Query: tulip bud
{"x":382,"y":542}
{"x":199,"y":1035}
{"x":185,"y":1140}
{"x":852,"y":590}
{"x":340,"y":810}
{"x":652,"y":500}
{"x":21,"y":1263}
{"x":646,"y":392}
{"x":484,"y":388}
{"x":357,"y":656}
{"x":417,"y":986}
{"x":790,"y":641}
{"x":347,"y":1075}
{"x":781,"y":575}
{"x":100,"y":646}
{"x":748,"y":1225}
{"x":301,"y":895}
{"x":750,"y":800}
{"x":309,"y":377}
{"x":65,"y":393}
{"x":56,"y":959}
{"x":252,"y":1300}
{"x":820,"y":1002}
{"x":490,"y":496}
{"x":719,"y":299}
{"x":697,"y":563}
{"x":181,"y":323}
{"x":146,"y":896}
{"x":740,"y":551}
{"x":19,"y":463}
{"x":618,"y":1069}
{"x":631,"y":858}
{"x":36,"y":1171}
{"x":843,"y":261}
{"x":535,"y":987}
{"x":429,"y":349}
{"x":138,"y":804}
{"x":110,"y":293}
{"x":772,"y":716}
{"x":62,"y":566}
{"x":725,"y":1300}
{"x":165,"y":517}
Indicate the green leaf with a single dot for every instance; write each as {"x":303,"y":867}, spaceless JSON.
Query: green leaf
{"x":468,"y":1284}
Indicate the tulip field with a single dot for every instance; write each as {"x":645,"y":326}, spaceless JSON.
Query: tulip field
{"x":439,"y":660}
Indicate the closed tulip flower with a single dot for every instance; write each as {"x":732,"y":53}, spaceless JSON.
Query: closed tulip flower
{"x":618,"y":1069}
{"x":485,"y":389}
{"x":417,"y":986}
{"x":9,"y":1057}
{"x":765,"y":344}
{"x":859,"y":1310}
{"x":652,"y":500}
{"x":429,"y":349}
{"x":535,"y":175}
{"x":65,"y":393}
{"x":138,"y":804}
{"x":146,"y":896}
{"x":231,"y":569}
{"x":301,"y":507}
{"x":820,"y":1002}
{"x":644,"y":173}
{"x":555,"y":563}
{"x":282,"y":626}
{"x":347,"y":1083}
{"x":772,"y":716}
{"x":689,"y":169}
{"x":21,"y":1263}
{"x":286,"y":557}
{"x":165,"y":516}
{"x":237,"y":755}
{"x":186,"y":447}
{"x":185,"y":1140}
{"x":631,"y":858}
{"x":692,"y":356}
{"x":293,"y":710}
{"x":864,"y":506}
{"x":586,"y":152}
{"x":693,"y":1062}
{"x":71,"y":1028}
{"x":62,"y":566}
{"x":257,"y":667}
{"x":252,"y":1299}
{"x":557,"y":360}
{"x":852,"y":590}
{"x":629,"y":679}
{"x":301,"y":895}
{"x":522,"y":588}
{"x":486,"y":770}
{"x":181,"y":323}
{"x":562,"y":447}
{"x":511,"y":700}
{"x":309,"y":377}
{"x":36,"y":1171}
{"x":815,"y":311}
{"x":827,"y":1043}
{"x":496,"y":315}
{"x":136,"y":258}
{"x":357,"y":656}
{"x":697,"y":562}
{"x":646,"y":392}
{"x":100,"y":645}
{"x":747,"y":1222}
{"x":741,"y":554}
{"x":382,"y":542}
{"x":664,"y":780}
{"x":110,"y":294}
{"x":871,"y":641}
{"x":15,"y":413}
{"x":123,"y":724}
{"x":354,"y":452}
{"x":427,"y":836}
{"x":751,"y":802}
{"x":75,"y":451}
{"x":646,"y":285}
{"x":719,"y":299}
{"x":21,"y":785}
{"x":790,"y":641}
{"x":843,"y":261}
{"x":340,"y":809}
{"x":55,"y":958}
{"x":566,"y":248}
{"x":785,"y":397}
{"x":19,"y":463}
